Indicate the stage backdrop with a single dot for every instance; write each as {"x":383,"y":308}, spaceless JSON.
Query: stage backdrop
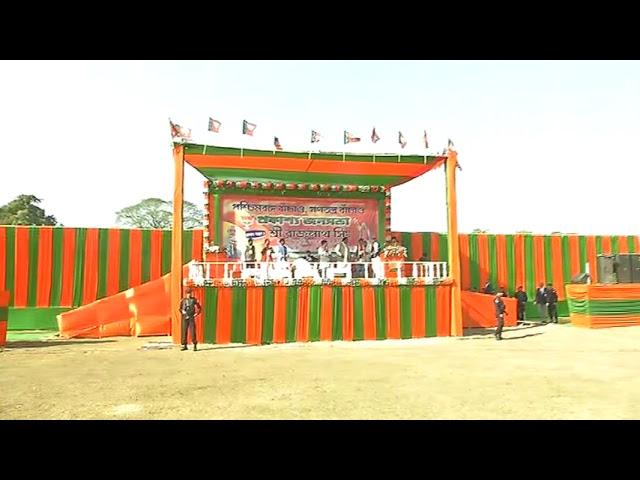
{"x":302,"y":222}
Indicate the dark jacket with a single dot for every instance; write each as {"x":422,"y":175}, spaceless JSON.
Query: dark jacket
{"x":190,"y":307}
{"x":522,"y":297}
{"x":541,"y":295}
{"x":552,"y":296}
{"x":488,"y":289}
{"x":499,"y":304}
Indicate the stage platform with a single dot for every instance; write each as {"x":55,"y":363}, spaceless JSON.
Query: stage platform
{"x":306,"y":312}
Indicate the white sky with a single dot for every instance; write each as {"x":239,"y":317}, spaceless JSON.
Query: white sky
{"x":544,"y":146}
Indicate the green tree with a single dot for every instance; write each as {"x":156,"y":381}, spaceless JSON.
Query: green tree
{"x":157,"y":213}
{"x":24,"y":210}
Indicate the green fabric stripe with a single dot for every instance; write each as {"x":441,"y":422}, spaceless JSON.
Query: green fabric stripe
{"x":34,"y":241}
{"x":210,"y":308}
{"x":166,"y":252}
{"x":548,"y":260}
{"x":493,"y":259}
{"x":426,"y":246}
{"x":56,"y":268}
{"x":217,"y":214}
{"x":4,"y":314}
{"x":566,"y":260}
{"x":187,"y":246}
{"x":381,"y":221}
{"x":614,"y":245}
{"x":405,"y":311}
{"x":315,"y":296}
{"x":34,"y":318}
{"x":146,"y":255}
{"x":103,"y":256}
{"x":238,"y":315}
{"x":405,"y":241}
{"x":291,"y":316}
{"x":358,"y":315}
{"x":443,"y":248}
{"x":598,"y":245}
{"x":267,"y":309}
{"x":238,"y":174}
{"x":511,"y":263}
{"x":630,"y":245}
{"x":336,"y":295}
{"x":430,"y":309}
{"x":123,"y":278}
{"x":474,"y":264}
{"x":10,"y":262}
{"x":381,"y":316}
{"x":529,"y":266}
{"x":604,"y":307}
{"x":78,"y":266}
{"x":582,"y":242}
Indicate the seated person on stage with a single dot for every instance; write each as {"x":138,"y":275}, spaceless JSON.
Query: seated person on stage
{"x":396,"y":254}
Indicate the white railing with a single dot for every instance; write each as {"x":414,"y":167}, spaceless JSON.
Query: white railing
{"x":202,"y":273}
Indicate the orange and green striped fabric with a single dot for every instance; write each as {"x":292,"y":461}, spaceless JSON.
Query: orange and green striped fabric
{"x":68,"y":267}
{"x":279,"y":314}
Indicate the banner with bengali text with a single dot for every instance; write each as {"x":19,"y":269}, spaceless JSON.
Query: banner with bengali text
{"x":302,"y":222}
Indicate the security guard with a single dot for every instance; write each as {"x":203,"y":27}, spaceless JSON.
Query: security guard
{"x":552,"y":303}
{"x":189,"y":308}
{"x":521,"y":297}
{"x":500,"y":313}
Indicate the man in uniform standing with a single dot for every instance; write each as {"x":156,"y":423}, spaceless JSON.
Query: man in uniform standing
{"x":541,"y":302}
{"x":521,"y":297}
{"x":500,"y":313}
{"x":189,"y":309}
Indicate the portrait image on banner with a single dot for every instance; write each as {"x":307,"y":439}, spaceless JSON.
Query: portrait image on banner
{"x":302,"y":222}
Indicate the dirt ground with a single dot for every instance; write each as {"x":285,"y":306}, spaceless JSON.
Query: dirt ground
{"x":537,"y":372}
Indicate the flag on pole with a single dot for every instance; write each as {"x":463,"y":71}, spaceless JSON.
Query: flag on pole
{"x":248,"y":128}
{"x":426,"y":141}
{"x":214,"y":125}
{"x":401,"y":140}
{"x":450,"y":144}
{"x":349,"y":138}
{"x":276,"y":143}
{"x":179,"y":132}
{"x":374,"y":136}
{"x":315,"y":136}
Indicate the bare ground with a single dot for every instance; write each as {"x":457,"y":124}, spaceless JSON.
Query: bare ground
{"x":538,"y":372}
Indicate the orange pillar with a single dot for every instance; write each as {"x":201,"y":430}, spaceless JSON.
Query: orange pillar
{"x":454,"y":244}
{"x":176,"y":241}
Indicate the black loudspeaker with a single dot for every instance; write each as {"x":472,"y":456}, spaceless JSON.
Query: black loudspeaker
{"x":635,"y":268}
{"x":580,"y":278}
{"x":623,"y":268}
{"x":607,"y":269}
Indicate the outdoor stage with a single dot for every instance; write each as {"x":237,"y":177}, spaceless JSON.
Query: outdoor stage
{"x":262,"y":198}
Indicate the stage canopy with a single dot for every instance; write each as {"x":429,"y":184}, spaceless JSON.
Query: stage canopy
{"x":268,"y":166}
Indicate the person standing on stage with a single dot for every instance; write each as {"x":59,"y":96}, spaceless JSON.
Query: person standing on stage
{"x":363,"y":255}
{"x":189,"y":309}
{"x":342,"y":249}
{"x":375,"y":248}
{"x":250,"y":254}
{"x":521,"y":297}
{"x":552,"y":303}
{"x":282,"y":251}
{"x":324,"y":257}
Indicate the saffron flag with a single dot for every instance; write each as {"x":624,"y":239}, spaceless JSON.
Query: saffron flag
{"x":276,"y":143}
{"x":374,"y":136}
{"x":179,"y":132}
{"x":315,"y":136}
